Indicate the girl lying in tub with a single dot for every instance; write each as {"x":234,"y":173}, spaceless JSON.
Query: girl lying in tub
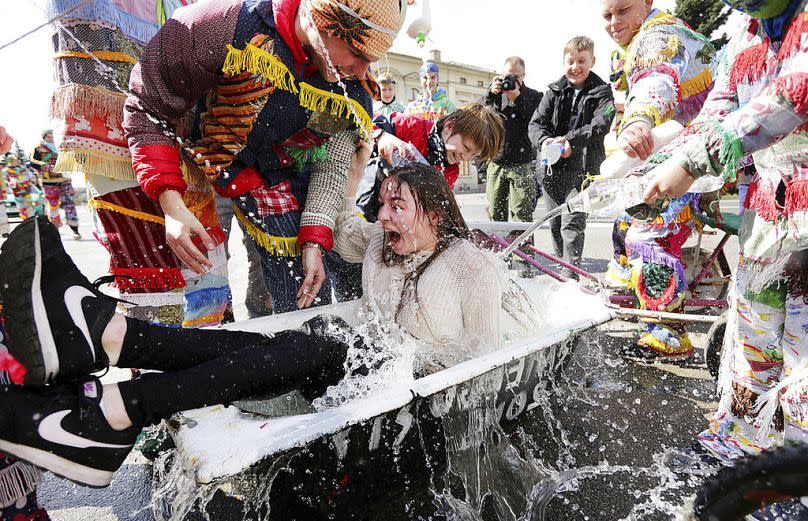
{"x":420,"y":272}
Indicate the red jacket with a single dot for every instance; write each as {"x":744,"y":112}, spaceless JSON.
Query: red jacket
{"x":416,"y":132}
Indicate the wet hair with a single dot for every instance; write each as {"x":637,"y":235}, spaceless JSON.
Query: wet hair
{"x":580,"y":44}
{"x":433,"y":196}
{"x":481,"y":124}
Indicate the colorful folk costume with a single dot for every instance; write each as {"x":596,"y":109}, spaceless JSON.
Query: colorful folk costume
{"x":4,"y":227}
{"x":96,"y":49}
{"x":58,"y":188}
{"x":430,"y":106}
{"x":759,"y":106}
{"x":18,"y":480}
{"x":666,"y":73}
{"x":22,"y":182}
{"x":276,"y":137}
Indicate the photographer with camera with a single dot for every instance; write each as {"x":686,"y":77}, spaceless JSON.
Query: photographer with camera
{"x":511,"y":183}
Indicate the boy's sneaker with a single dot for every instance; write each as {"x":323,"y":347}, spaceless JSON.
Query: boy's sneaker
{"x":62,"y":429}
{"x":54,"y":316}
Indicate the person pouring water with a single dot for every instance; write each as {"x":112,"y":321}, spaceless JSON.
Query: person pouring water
{"x":286,"y":96}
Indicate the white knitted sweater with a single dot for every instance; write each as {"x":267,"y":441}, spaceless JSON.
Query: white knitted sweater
{"x":456,"y":315}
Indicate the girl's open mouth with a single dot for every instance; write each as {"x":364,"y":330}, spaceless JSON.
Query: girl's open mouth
{"x":394,"y":238}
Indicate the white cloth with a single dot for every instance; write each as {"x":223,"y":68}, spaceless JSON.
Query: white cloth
{"x":456,"y":313}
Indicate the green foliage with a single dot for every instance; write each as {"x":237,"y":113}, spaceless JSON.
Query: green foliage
{"x":704,"y":16}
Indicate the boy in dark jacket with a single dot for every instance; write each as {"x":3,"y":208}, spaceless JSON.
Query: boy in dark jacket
{"x":576,"y":112}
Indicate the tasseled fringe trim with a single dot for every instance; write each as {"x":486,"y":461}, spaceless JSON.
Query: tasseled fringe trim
{"x":794,"y":88}
{"x":111,"y":56}
{"x":659,"y":158}
{"x":646,"y":112}
{"x":206,"y":321}
{"x":157,"y":279}
{"x":797,"y":196}
{"x":659,"y":57}
{"x":794,"y":36}
{"x":94,"y":163}
{"x":697,"y":84}
{"x":337,"y":105}
{"x":302,"y":156}
{"x":730,"y":149}
{"x":760,"y":275}
{"x":100,"y":204}
{"x":750,"y":64}
{"x":16,"y":481}
{"x":767,"y":403}
{"x":652,"y":253}
{"x":762,"y":203}
{"x":726,"y":370}
{"x":75,"y":98}
{"x":692,"y":104}
{"x":797,"y":275}
{"x":278,"y":246}
{"x":255,"y":60}
{"x":131,"y":26}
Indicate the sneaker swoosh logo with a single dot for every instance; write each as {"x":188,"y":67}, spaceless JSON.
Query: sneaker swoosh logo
{"x":51,"y":430}
{"x":73,"y":297}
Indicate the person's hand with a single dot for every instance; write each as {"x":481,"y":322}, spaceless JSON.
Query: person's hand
{"x":387,"y":143}
{"x":496,"y":85}
{"x":181,"y":225}
{"x":360,"y":159}
{"x":567,"y":152}
{"x":5,"y":141}
{"x":315,"y":275}
{"x":636,"y":140}
{"x":356,"y":170}
{"x":670,"y":180}
{"x":513,"y":94}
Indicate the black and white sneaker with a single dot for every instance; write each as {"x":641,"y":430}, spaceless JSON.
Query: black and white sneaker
{"x":62,"y":428}
{"x":54,"y":316}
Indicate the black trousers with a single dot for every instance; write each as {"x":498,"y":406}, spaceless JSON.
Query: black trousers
{"x":568,"y":230}
{"x":207,"y":367}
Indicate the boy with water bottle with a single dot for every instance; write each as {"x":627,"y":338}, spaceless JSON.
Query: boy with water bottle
{"x":568,"y":129}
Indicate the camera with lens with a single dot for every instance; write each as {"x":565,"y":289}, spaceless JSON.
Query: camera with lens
{"x":509,"y":82}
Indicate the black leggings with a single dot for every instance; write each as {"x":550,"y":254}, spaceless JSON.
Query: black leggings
{"x":208,"y":367}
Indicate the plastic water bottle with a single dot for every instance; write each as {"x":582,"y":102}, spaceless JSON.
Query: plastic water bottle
{"x":410,"y":155}
{"x":551,"y":154}
{"x":610,"y":197}
{"x":619,"y":164}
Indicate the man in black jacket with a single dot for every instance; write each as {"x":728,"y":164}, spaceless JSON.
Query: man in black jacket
{"x":575,"y":113}
{"x":510,"y":177}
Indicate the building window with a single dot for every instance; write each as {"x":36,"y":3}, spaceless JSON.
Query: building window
{"x":413,"y":93}
{"x":462,"y":81}
{"x":480,"y":83}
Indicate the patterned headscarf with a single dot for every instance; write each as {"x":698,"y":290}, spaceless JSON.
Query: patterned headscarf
{"x":369,"y":25}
